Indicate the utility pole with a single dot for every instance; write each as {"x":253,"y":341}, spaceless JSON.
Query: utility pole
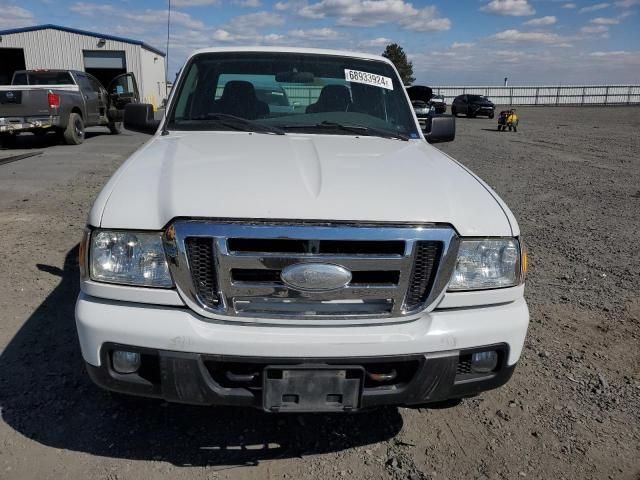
{"x":166,"y":59}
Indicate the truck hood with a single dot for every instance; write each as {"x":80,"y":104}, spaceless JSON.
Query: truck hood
{"x":296,"y":176}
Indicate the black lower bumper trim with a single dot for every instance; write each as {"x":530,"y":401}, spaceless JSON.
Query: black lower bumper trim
{"x":222,"y":380}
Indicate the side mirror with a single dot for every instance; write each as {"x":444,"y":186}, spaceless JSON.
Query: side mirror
{"x":443,"y":129}
{"x":138,"y":117}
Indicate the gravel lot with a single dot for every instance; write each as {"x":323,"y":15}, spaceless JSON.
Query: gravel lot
{"x":572,"y":409}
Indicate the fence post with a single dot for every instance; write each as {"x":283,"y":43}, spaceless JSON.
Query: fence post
{"x":606,"y":95}
{"x":511,"y":97}
{"x":557,"y":95}
{"x":629,"y":95}
{"x":583,"y":94}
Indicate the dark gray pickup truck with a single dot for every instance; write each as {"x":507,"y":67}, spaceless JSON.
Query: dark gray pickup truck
{"x":65,"y":101}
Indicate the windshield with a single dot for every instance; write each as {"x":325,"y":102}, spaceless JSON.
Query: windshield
{"x":477,"y":98}
{"x":42,"y":78}
{"x":308,"y":93}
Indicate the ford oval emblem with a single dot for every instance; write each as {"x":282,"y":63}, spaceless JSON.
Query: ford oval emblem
{"x":315,"y":277}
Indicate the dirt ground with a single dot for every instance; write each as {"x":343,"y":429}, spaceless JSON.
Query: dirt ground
{"x":572,"y":409}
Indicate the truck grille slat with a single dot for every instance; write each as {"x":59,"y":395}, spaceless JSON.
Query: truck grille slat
{"x":203,"y":275}
{"x":235,"y":270}
{"x":423,"y":273}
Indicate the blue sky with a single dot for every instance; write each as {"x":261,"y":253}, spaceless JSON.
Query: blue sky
{"x":450,"y":42}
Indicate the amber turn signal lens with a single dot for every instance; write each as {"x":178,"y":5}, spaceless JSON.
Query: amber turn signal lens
{"x":525,"y":261}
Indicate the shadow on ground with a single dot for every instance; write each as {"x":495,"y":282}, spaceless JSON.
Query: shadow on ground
{"x":27,"y":141}
{"x":46,"y":395}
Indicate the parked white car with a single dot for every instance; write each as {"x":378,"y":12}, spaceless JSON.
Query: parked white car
{"x":327,"y":259}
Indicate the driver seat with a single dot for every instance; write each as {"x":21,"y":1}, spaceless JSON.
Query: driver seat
{"x":239,"y":98}
{"x":333,"y":98}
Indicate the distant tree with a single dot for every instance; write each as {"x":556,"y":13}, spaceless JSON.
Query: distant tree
{"x":395,"y":53}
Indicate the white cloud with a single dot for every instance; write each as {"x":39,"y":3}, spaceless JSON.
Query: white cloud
{"x":513,"y":8}
{"x":273,"y":38}
{"x":92,"y":9}
{"x":569,"y":5}
{"x":225,"y":36}
{"x":146,"y":17}
{"x":248,"y":3}
{"x":315,"y":34}
{"x":426,"y":20}
{"x":615,"y":53}
{"x":594,"y":29}
{"x":369,"y":13}
{"x":593,"y":8}
{"x":290,"y":5}
{"x":462,"y":45}
{"x":253,"y":21}
{"x":375,"y":42}
{"x":193,"y":3}
{"x":516,"y":36}
{"x":13,"y":17}
{"x":627,"y":3}
{"x":159,"y":17}
{"x":222,"y":35}
{"x":605,"y":21}
{"x":542,"y":21}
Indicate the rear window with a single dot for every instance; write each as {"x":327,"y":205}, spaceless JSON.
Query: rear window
{"x":43,"y":78}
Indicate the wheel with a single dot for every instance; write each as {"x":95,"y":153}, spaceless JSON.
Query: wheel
{"x":491,"y":116}
{"x":499,"y":128}
{"x":74,"y":133}
{"x":115,"y":127}
{"x":454,"y":112}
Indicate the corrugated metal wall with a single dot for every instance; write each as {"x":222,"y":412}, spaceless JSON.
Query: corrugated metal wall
{"x":51,"y":48}
{"x":549,"y":94}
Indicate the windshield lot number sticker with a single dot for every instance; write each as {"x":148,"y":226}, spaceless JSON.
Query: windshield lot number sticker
{"x":368,"y":79}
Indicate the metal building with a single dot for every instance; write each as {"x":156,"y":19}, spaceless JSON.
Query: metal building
{"x":104,"y":56}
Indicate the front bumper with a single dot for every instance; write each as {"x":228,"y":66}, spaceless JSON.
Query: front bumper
{"x":183,"y":342}
{"x":198,"y":379}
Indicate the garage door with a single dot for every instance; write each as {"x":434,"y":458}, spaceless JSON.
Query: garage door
{"x":103,"y":59}
{"x":104,"y":65}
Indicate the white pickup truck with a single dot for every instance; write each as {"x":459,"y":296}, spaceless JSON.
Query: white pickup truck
{"x":324,"y":257}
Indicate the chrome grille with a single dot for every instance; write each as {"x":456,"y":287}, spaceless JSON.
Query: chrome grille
{"x":233,"y":269}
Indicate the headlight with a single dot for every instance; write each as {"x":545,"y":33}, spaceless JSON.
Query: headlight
{"x":131,"y":258}
{"x":484,"y":264}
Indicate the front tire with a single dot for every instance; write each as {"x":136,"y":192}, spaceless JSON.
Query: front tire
{"x":115,"y":128}
{"x":74,"y":133}
{"x":491,"y":116}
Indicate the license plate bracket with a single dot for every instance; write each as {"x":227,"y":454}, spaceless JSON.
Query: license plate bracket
{"x":312,"y":388}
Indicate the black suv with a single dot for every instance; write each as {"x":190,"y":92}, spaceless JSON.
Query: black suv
{"x":472,"y":106}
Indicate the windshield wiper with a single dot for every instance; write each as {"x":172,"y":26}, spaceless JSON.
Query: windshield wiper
{"x":351,"y":127}
{"x":239,"y":123}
